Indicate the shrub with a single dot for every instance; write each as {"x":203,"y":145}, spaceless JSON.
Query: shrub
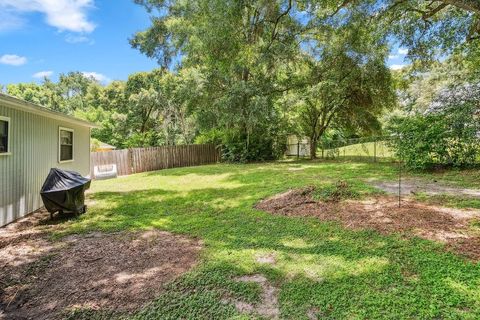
{"x":336,"y":192}
{"x":261,"y":147}
{"x":446,"y":135}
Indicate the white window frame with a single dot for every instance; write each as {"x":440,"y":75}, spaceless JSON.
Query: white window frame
{"x":9,"y":133}
{"x":60,"y":144}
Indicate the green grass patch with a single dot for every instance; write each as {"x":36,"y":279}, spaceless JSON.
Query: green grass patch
{"x":469,"y":178}
{"x":461,"y":202}
{"x":372,"y":150}
{"x":340,"y":273}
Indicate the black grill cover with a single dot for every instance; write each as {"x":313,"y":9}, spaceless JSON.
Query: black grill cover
{"x":64,"y":191}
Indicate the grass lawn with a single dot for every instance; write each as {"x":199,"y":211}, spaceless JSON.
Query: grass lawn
{"x":361,"y":150}
{"x":320,"y":267}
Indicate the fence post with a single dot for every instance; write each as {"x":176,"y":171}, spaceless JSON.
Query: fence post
{"x":130,"y":160}
{"x":375,"y":151}
{"x":298,"y":150}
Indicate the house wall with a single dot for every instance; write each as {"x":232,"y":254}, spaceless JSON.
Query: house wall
{"x":34,"y":150}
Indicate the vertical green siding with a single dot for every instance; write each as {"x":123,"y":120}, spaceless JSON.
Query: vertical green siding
{"x":34,"y":150}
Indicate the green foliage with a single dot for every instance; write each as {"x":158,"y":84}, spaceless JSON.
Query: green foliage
{"x":260,"y":148}
{"x":214,"y":136}
{"x":94,"y":144}
{"x":46,"y":95}
{"x":424,"y":141}
{"x":239,"y":51}
{"x":234,"y":148}
{"x":429,"y":29}
{"x":341,"y":190}
{"x":339,"y":82}
{"x":437,"y":124}
{"x":245,"y":74}
{"x":149,"y":109}
{"x":417,"y":90}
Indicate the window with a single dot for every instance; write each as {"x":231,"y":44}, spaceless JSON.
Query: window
{"x":65,"y":137}
{"x":4,"y":135}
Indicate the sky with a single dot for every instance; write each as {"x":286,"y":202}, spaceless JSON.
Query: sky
{"x":47,"y":37}
{"x":41,"y":38}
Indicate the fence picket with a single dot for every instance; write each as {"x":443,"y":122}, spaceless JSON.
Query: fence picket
{"x":136,"y":160}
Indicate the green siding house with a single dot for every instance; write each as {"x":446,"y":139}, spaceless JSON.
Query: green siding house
{"x":34,"y":139}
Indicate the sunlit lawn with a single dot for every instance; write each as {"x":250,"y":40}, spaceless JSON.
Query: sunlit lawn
{"x":339,"y":273}
{"x":366,"y":149}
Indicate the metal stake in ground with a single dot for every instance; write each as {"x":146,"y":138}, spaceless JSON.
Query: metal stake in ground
{"x":399,"y":182}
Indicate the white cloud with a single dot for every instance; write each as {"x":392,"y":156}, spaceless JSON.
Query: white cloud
{"x":43,"y":74}
{"x":397,"y":66}
{"x":9,"y":21}
{"x":70,"y":38}
{"x":97,"y":76}
{"x":13,"y":60}
{"x":393,"y":56}
{"x":402,"y":51}
{"x":68,"y":15}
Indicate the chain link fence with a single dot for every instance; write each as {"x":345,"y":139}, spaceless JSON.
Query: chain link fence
{"x":366,"y":149}
{"x":450,"y":189}
{"x":372,"y":149}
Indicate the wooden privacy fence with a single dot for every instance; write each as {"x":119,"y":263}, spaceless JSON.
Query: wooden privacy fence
{"x":137,"y":160}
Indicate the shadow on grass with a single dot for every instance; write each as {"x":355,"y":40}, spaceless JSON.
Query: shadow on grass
{"x":341,"y":273}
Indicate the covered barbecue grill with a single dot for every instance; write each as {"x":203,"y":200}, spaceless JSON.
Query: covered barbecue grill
{"x":64,"y":191}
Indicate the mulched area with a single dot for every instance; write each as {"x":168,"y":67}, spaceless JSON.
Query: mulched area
{"x":382,"y":213}
{"x":116,"y":272}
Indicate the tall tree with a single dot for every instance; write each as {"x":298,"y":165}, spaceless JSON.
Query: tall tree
{"x":417,"y":90}
{"x":238,"y":46}
{"x":346,"y":85}
{"x":429,"y":29}
{"x":73,"y":86}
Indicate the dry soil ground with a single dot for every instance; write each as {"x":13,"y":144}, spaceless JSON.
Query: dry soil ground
{"x":382,"y":213}
{"x":412,"y":186}
{"x":116,"y":272}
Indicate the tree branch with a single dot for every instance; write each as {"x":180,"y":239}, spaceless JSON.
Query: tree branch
{"x":468,"y":5}
{"x":277,"y":21}
{"x":474,"y":32}
{"x":344,"y":4}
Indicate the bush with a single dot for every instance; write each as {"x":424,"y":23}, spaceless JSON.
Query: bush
{"x":336,"y":192}
{"x":446,"y":135}
{"x":261,"y":147}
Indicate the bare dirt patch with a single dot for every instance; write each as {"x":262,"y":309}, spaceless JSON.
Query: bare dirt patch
{"x":266,"y":258}
{"x":413,"y":186}
{"x":382,"y":213}
{"x":268,"y":306}
{"x":119,"y":272}
{"x":313,"y":313}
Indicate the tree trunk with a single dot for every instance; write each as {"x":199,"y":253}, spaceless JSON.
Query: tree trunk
{"x":313,"y":148}
{"x":245,"y":100}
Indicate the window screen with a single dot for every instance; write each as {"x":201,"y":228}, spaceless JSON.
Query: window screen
{"x":4,"y":131}
{"x":66,"y":145}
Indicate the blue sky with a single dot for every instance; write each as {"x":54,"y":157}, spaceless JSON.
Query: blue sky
{"x":48,"y":37}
